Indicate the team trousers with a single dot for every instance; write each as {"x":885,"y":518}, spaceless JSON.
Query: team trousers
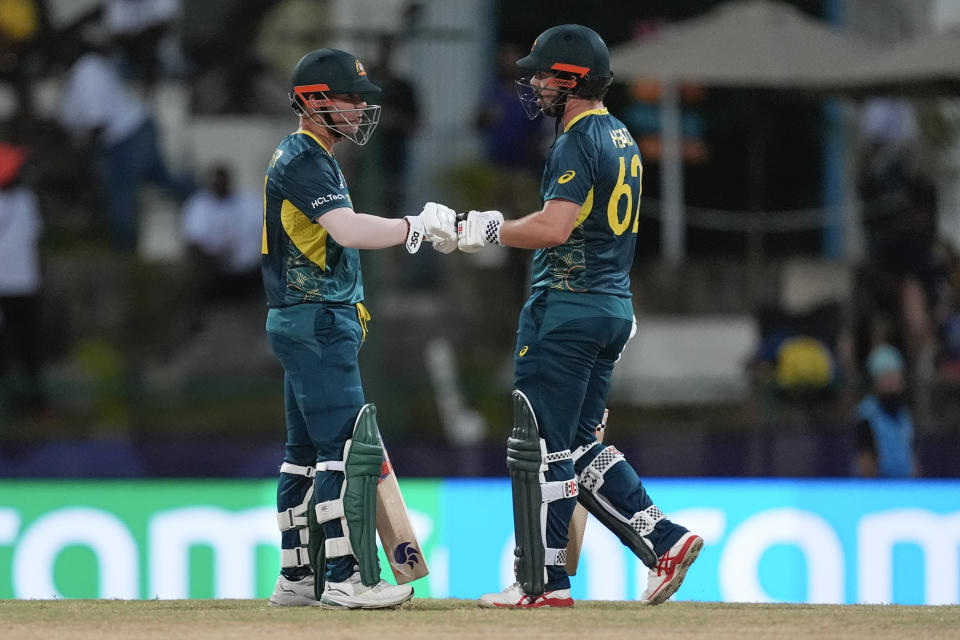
{"x":317,"y":345}
{"x":567,"y":345}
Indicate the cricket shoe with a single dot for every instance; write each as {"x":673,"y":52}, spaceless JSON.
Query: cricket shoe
{"x":353,"y":594}
{"x":513,"y":597}
{"x":664,"y":579}
{"x":294,"y":593}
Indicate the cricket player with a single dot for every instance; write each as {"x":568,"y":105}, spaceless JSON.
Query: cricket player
{"x":326,"y":496}
{"x":572,"y":330}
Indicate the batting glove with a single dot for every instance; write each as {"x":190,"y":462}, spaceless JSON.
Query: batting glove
{"x":479,"y":229}
{"x":436,"y":223}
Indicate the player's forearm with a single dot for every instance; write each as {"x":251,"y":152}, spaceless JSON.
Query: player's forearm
{"x":535,"y":231}
{"x":365,"y":231}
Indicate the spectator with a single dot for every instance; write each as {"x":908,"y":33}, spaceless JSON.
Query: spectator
{"x":885,"y":425}
{"x":222,"y":227}
{"x":913,"y":266}
{"x":889,"y":132}
{"x":144,"y":31}
{"x":20,"y":282}
{"x":104,"y":116}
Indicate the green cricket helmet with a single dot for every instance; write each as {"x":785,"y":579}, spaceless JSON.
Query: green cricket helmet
{"x":328,"y":72}
{"x":578,"y":62}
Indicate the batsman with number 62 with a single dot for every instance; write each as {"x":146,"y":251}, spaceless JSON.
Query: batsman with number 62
{"x":572,"y":330}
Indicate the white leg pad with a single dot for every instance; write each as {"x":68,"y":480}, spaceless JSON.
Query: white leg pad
{"x":296,"y":518}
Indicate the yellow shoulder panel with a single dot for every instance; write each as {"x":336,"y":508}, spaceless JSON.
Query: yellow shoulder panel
{"x":308,"y":237}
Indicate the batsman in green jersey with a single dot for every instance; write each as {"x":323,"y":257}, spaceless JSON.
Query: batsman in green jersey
{"x":572,"y":330}
{"x":326,"y":495}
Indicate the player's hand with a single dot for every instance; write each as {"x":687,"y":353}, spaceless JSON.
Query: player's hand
{"x":479,"y":229}
{"x":436,"y":223}
{"x":445,"y":245}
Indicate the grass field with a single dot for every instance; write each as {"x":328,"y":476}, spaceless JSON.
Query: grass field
{"x":463,"y":620}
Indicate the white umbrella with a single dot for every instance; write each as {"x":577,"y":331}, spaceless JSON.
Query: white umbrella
{"x":928,"y":65}
{"x":744,"y":43}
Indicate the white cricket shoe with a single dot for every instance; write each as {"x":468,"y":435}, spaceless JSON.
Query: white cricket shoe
{"x":664,"y":580}
{"x":513,"y":597}
{"x":294,"y":593}
{"x":353,"y":594}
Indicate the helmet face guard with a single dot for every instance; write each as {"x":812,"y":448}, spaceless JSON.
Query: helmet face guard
{"x":565,"y":79}
{"x":315,"y":102}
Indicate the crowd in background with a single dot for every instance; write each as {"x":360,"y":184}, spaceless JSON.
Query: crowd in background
{"x":71,"y":190}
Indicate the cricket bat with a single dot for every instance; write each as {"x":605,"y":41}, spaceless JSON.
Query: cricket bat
{"x":393,"y":526}
{"x":578,"y":521}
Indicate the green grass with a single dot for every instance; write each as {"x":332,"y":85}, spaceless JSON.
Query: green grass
{"x":463,"y":620}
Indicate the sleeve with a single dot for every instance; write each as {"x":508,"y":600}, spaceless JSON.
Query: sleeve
{"x":314,"y":184}
{"x":865,"y":442}
{"x":571,"y":169}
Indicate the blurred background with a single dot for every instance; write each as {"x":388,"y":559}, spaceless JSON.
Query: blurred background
{"x":798,"y":230}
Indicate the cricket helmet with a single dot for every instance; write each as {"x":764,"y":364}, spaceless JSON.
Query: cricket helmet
{"x":577,"y":59}
{"x":323,"y":73}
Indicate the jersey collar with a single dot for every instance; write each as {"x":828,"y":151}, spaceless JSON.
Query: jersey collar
{"x":315,"y":138}
{"x":590,"y":112}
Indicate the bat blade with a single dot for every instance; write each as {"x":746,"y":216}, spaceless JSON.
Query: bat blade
{"x":578,"y":521}
{"x":397,"y":536}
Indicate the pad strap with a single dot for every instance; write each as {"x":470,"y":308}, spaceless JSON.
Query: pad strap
{"x":329,"y":510}
{"x":558,"y":490}
{"x":591,"y":478}
{"x":331,"y":465}
{"x":582,"y":449}
{"x":297,"y":470}
{"x":337,"y":547}
{"x":644,"y":521}
{"x":296,"y":557}
{"x":556,"y":456}
{"x":296,"y":517}
{"x":555,"y":557}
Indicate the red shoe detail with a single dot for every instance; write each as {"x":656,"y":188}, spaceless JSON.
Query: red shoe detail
{"x":664,"y":580}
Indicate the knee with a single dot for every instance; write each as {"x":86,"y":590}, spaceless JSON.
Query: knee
{"x":303,"y":455}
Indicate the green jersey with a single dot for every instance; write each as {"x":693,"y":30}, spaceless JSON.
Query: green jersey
{"x":300,"y":261}
{"x":595,"y":163}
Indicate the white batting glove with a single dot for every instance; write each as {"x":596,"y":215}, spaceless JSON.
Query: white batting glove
{"x":479,"y":229}
{"x":436,"y":223}
{"x":444,"y":245}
